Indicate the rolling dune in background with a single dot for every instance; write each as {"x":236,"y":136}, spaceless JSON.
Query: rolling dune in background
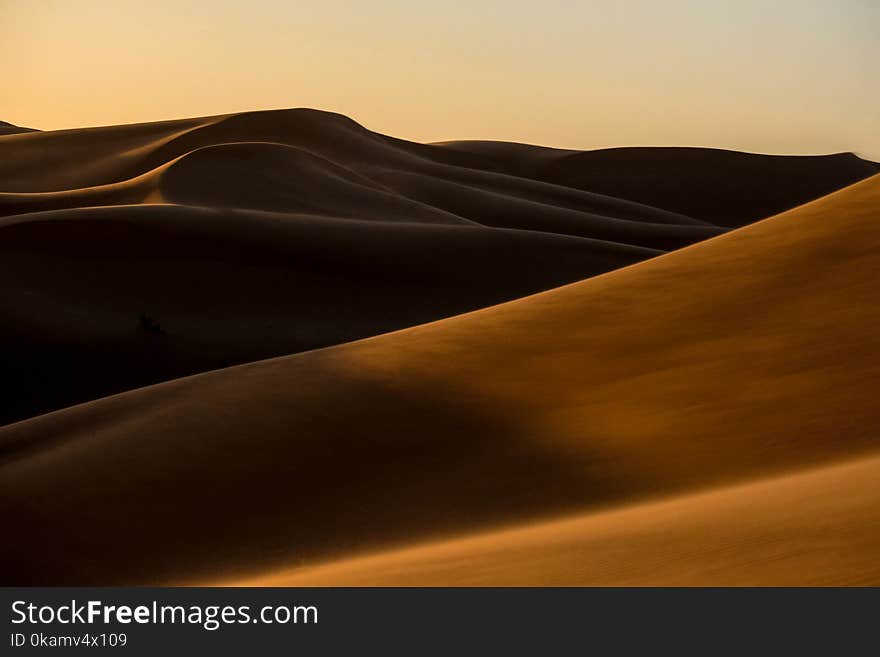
{"x":364,"y":377}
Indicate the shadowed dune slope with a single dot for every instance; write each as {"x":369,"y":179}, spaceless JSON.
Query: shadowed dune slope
{"x":622,"y":183}
{"x":9,"y":129}
{"x":725,"y":188}
{"x":625,"y":183}
{"x":747,"y":356}
{"x":308,"y":161}
{"x":231,"y":286}
{"x":275,"y":177}
{"x":258,"y":176}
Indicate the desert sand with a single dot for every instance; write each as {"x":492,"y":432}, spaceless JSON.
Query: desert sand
{"x":742,"y":535}
{"x":378,"y":362}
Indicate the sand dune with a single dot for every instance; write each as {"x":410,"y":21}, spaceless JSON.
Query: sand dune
{"x":707,"y":184}
{"x":234,"y":169}
{"x":741,"y":358}
{"x":818,"y":528}
{"x":230,"y":286}
{"x":225,"y":148}
{"x":9,"y":129}
{"x":79,"y":308}
{"x":623,"y":183}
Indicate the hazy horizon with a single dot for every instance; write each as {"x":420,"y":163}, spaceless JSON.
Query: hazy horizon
{"x":794,"y":77}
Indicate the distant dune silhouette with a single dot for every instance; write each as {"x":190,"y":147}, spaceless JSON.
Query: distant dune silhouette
{"x":279,"y":348}
{"x":9,"y":129}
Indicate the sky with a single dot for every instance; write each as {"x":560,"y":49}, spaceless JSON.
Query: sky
{"x":787,"y":76}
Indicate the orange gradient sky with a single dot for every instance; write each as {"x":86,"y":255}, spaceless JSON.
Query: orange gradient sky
{"x":788,"y":76}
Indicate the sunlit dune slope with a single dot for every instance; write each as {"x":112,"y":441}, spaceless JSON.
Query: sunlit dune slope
{"x":746,"y":356}
{"x":819,"y":528}
{"x":228,"y":286}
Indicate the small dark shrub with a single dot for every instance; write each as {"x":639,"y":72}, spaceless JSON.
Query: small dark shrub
{"x":149,"y":324}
